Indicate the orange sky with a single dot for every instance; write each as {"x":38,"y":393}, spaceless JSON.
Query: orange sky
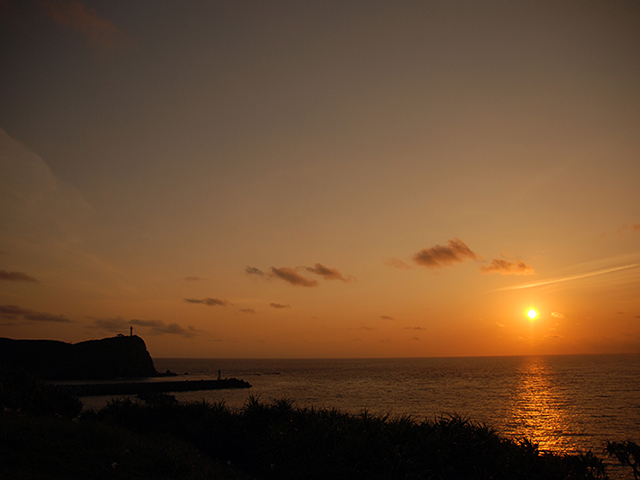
{"x":322,"y":178}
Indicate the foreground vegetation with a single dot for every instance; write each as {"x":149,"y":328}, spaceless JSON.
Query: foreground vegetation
{"x":160,"y":438}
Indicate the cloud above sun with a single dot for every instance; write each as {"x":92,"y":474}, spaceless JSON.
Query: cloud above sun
{"x":505,"y":267}
{"x":456,"y":251}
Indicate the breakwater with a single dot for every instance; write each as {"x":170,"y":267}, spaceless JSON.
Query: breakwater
{"x":135,"y":388}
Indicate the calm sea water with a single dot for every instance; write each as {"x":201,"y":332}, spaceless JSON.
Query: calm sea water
{"x":563,"y":403}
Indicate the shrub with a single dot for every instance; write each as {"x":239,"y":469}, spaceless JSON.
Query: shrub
{"x":280,"y":441}
{"x":25,"y":393}
{"x":627,"y":453}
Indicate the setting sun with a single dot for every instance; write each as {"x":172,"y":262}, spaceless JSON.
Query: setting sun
{"x":532,"y":314}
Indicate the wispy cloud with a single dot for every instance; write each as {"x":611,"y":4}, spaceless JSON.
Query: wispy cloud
{"x":291,"y":276}
{"x":397,"y":263}
{"x":414,"y":328}
{"x":386,"y":317}
{"x":570,"y":278}
{"x":505,"y":267}
{"x":211,"y":302}
{"x":14,"y":312}
{"x":456,"y":251}
{"x":279,"y":305}
{"x":627,"y":229}
{"x":175,"y":329}
{"x":16,"y":277}
{"x":147,"y":323}
{"x":328,"y":273}
{"x":76,"y":16}
{"x":194,"y":279}
{"x":557,"y":315}
{"x":247,"y":310}
{"x":113,"y":325}
{"x":254,"y":271}
{"x":155,"y":327}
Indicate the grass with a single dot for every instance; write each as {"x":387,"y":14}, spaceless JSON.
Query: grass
{"x":56,"y":448}
{"x":280,"y":441}
{"x":160,"y":438}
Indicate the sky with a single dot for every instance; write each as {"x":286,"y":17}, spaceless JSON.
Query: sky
{"x":285,"y":179}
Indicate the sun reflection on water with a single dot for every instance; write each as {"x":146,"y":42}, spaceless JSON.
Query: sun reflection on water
{"x":541,"y":410}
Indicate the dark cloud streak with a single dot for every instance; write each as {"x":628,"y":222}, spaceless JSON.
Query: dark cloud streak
{"x":211,"y":302}
{"x":291,"y":276}
{"x":13,"y":312}
{"x":328,"y":273}
{"x":254,"y":271}
{"x":279,"y":305}
{"x":16,"y":277}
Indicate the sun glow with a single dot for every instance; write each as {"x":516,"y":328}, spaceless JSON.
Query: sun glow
{"x":532,"y":314}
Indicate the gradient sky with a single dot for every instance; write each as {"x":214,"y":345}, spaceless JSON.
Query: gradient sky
{"x":322,"y":178}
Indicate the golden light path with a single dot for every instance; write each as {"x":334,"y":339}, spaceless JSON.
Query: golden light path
{"x":540,"y":410}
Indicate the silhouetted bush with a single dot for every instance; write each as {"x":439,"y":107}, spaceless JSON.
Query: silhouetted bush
{"x":280,"y":441}
{"x":25,"y":393}
{"x":56,"y":448}
{"x":627,"y":453}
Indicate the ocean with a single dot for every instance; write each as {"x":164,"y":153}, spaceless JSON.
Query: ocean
{"x":562,"y":403}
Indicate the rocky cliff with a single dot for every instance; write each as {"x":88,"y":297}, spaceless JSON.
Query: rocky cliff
{"x":107,"y":358}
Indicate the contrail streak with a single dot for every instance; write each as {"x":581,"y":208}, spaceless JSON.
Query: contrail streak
{"x":575,"y":277}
